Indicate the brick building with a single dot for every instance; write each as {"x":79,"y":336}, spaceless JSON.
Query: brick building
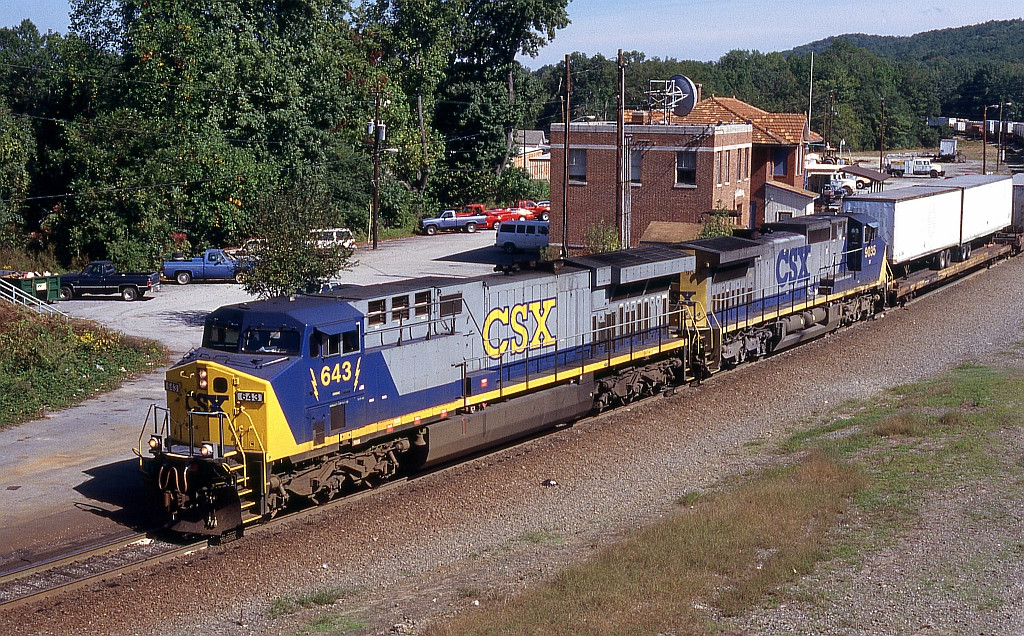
{"x":678,"y":172}
{"x":718,"y":157}
{"x":778,"y":142}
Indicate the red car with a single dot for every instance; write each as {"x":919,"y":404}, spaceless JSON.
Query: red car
{"x":497,"y":216}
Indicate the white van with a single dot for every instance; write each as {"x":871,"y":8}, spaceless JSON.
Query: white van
{"x":324,"y":239}
{"x":522,"y":235}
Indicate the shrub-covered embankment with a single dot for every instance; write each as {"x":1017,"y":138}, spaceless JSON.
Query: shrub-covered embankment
{"x":47,"y":363}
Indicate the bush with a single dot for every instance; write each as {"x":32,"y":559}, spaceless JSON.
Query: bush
{"x":46,"y":363}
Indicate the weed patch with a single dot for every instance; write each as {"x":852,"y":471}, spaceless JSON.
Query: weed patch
{"x":728,"y":551}
{"x":291,"y":604}
{"x":47,"y":363}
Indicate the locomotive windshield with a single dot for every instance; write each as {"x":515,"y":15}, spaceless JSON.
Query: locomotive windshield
{"x":262,"y":340}
{"x":222,"y":336}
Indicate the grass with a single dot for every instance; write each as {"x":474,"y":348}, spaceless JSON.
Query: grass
{"x":291,"y":604}
{"x":47,"y":363}
{"x":747,"y":544}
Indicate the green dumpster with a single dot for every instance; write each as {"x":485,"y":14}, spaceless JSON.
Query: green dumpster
{"x":45,"y":288}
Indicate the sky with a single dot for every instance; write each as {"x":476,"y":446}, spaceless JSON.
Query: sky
{"x":690,"y":30}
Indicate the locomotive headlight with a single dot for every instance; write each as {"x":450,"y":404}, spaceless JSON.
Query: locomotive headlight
{"x":203,"y":378}
{"x":206,"y":450}
{"x":155,"y":442}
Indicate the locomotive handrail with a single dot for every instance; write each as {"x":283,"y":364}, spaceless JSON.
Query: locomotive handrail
{"x":157,"y":428}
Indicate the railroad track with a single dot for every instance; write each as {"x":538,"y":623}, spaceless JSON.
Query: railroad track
{"x":106,"y":561}
{"x":81,"y":567}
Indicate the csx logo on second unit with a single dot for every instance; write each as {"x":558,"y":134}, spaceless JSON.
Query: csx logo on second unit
{"x":791,"y":264}
{"x":517,"y":328}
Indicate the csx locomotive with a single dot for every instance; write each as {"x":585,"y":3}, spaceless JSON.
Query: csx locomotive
{"x":302,"y":397}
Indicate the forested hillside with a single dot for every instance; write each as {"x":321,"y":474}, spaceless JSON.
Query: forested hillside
{"x":952,"y":72}
{"x":992,"y":42}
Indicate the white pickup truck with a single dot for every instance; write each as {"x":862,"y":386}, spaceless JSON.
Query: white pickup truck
{"x":920,"y":166}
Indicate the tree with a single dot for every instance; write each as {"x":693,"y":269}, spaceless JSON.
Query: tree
{"x":286,"y":260}
{"x":16,"y":151}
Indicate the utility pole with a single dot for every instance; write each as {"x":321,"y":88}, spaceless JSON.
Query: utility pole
{"x":620,"y":145}
{"x":377,"y":130}
{"x":881,"y":140}
{"x":984,"y":139}
{"x":565,"y":176}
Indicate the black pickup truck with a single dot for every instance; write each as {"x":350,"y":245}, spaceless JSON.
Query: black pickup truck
{"x":100,"y":277}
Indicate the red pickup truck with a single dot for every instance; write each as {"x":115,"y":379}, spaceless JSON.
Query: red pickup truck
{"x":496,"y":216}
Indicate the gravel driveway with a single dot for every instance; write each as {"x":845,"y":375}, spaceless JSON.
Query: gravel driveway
{"x":489,"y":527}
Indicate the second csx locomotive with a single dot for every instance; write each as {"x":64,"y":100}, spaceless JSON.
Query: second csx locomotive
{"x":301,"y":397}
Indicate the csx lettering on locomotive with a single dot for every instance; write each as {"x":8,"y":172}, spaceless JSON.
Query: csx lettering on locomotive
{"x":791,"y":264}
{"x":528,"y":323}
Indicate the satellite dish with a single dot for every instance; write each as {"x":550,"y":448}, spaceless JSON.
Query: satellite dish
{"x":682,"y":95}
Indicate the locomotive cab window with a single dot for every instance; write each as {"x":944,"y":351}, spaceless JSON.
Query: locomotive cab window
{"x":263,"y":340}
{"x":870,"y":233}
{"x":223,"y":337}
{"x":333,"y":344}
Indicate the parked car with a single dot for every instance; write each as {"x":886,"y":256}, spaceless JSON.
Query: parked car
{"x":495,"y":216}
{"x":516,"y":236}
{"x":101,"y":277}
{"x":247,"y":251}
{"x":451,"y":221}
{"x":214,"y":264}
{"x":540,"y":209}
{"x":332,"y":237}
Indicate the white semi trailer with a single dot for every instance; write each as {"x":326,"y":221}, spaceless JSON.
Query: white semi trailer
{"x":940,"y":222}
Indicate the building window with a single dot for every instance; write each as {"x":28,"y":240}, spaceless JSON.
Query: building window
{"x":728,"y":166}
{"x":686,"y":167}
{"x":577,"y":165}
{"x":635,"y":163}
{"x":718,"y":160}
{"x":779,"y":156}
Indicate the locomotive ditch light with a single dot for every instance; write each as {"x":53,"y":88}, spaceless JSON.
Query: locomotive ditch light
{"x":207,"y":449}
{"x":155,"y":442}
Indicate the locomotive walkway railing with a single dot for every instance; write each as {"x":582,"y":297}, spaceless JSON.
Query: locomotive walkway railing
{"x":16,"y":296}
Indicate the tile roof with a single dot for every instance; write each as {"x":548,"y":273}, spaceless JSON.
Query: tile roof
{"x":784,"y":129}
